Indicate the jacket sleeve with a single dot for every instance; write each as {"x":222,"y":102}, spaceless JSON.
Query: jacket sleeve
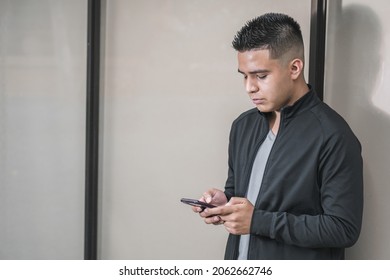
{"x":340,"y":176}
{"x":229,"y":185}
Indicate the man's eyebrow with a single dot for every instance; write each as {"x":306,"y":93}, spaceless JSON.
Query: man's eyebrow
{"x":259,"y":71}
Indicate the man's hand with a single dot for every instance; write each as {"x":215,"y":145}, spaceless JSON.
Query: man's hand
{"x":236,"y":215}
{"x":212,"y":196}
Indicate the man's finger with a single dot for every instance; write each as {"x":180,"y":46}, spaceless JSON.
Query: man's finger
{"x":218,"y":211}
{"x":237,"y":200}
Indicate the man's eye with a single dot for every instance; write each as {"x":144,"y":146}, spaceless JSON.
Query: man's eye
{"x":261,"y":77}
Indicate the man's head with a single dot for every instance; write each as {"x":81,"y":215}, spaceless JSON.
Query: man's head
{"x":278,"y":33}
{"x":271,"y":59}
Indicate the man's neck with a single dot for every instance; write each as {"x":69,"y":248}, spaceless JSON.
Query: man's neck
{"x":301,"y":89}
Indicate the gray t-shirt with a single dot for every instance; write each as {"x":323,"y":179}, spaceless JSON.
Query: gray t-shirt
{"x":255,"y":184}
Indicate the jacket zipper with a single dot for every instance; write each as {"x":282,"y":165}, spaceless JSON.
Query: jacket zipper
{"x":265,"y":168}
{"x":269,"y":156}
{"x":247,"y":178}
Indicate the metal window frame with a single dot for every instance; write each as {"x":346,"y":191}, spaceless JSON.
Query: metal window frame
{"x":92,"y":131}
{"x":317,"y":46}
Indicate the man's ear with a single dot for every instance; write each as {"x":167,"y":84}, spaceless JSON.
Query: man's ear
{"x":296,"y":68}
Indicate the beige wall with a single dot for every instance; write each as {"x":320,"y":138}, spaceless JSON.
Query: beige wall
{"x":171,"y":92}
{"x":42,"y":128}
{"x":358,"y":87}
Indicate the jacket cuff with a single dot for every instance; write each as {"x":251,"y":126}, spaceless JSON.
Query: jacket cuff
{"x":228,"y":195}
{"x":262,"y":223}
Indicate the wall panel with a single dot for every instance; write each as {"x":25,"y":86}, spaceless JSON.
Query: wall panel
{"x":357,"y":85}
{"x":42,"y":128}
{"x":171,"y":92}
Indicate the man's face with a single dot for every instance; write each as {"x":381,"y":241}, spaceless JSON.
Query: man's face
{"x":267,"y":81}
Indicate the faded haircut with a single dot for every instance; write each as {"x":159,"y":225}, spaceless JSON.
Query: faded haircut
{"x":275,"y":32}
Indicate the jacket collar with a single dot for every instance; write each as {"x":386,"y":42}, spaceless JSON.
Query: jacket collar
{"x":306,"y":102}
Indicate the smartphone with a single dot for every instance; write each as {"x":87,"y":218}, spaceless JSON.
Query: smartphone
{"x":197,"y":203}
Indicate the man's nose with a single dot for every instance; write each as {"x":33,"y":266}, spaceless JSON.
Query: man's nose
{"x":251,"y":85}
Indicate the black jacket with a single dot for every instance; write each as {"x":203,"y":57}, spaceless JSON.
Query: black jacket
{"x":311,"y":199}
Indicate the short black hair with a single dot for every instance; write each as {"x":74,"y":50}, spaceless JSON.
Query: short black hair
{"x":276,"y":32}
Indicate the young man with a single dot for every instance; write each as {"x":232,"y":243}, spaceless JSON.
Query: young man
{"x":294,"y":187}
